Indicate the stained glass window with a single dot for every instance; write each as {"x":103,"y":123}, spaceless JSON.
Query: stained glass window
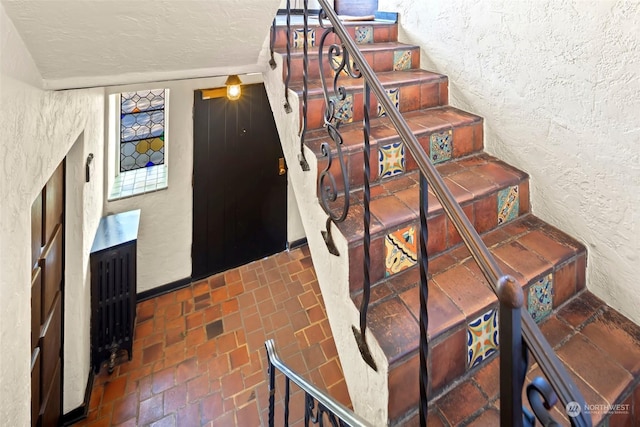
{"x":142,"y":125}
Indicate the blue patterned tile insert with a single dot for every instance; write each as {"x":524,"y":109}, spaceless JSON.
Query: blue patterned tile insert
{"x":508,"y":204}
{"x":364,"y":34}
{"x":394,"y":97}
{"x":540,"y":298}
{"x":391,"y":160}
{"x":482,"y":338}
{"x":401,"y":60}
{"x":298,"y":37}
{"x":441,"y":146}
{"x":344,"y":108}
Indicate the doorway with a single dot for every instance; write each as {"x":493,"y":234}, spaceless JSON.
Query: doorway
{"x":47,"y":261}
{"x":239,"y":182}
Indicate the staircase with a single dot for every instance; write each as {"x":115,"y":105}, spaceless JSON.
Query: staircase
{"x":599,"y":347}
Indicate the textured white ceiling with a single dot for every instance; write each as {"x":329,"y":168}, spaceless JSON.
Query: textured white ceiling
{"x":78,"y":43}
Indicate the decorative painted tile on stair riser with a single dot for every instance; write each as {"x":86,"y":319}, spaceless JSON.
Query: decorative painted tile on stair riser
{"x":508,"y":204}
{"x":391,"y":160}
{"x":298,"y":38}
{"x":441,"y":146}
{"x":401,"y":250}
{"x":394,"y":97}
{"x":364,"y":34}
{"x":540,"y":298}
{"x":401,"y":60}
{"x":482,"y":338}
{"x":343,"y":109}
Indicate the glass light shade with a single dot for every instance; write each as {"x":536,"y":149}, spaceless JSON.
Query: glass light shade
{"x":234,"y":89}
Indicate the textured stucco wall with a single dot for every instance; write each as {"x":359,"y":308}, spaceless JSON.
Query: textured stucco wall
{"x":165,"y":234}
{"x":558,"y":83}
{"x":368,"y":389}
{"x":37,"y":130}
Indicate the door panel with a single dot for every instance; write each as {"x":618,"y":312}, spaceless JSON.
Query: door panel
{"x":47,"y":241}
{"x":37,"y":240}
{"x":36,"y":307}
{"x":51,"y":271}
{"x":239,"y":195}
{"x":53,"y":202}
{"x":50,"y":412}
{"x":51,"y":342}
{"x":35,"y":385}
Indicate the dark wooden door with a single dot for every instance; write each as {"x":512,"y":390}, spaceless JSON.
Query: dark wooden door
{"x":47,"y":260}
{"x":239,"y":191}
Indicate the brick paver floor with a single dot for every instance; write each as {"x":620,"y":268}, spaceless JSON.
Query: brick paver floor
{"x":199,"y":356}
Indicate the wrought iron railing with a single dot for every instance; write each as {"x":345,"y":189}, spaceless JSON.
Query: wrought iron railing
{"x":519,"y":334}
{"x":320,"y":408}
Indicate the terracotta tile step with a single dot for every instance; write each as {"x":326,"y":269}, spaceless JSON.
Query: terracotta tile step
{"x":409,"y":90}
{"x":490,"y":192}
{"x":443,"y":132}
{"x":527,"y":248}
{"x":549,"y":265}
{"x":600,"y":350}
{"x":367,"y":32}
{"x":387,"y":56}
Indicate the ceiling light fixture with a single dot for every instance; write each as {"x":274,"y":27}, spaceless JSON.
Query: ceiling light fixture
{"x":234,"y":89}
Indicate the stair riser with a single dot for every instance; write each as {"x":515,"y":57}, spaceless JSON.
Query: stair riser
{"x":379,"y":33}
{"x":482,"y":211}
{"x":449,"y":352}
{"x":411,"y":96}
{"x":381,"y":61}
{"x":465,"y":140}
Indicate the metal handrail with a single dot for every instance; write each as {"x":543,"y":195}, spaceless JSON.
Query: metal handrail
{"x":538,"y":345}
{"x":334,"y":407}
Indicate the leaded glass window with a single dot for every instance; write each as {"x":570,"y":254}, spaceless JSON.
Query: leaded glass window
{"x":142,"y":125}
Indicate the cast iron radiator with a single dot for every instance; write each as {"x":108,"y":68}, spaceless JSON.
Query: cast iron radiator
{"x":113,"y":297}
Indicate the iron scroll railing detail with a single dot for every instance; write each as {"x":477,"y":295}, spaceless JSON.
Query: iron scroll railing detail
{"x":341,"y":65}
{"x":518,"y":332}
{"x":328,"y":189}
{"x":320,"y":408}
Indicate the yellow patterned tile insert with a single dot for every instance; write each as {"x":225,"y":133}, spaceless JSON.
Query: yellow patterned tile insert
{"x":401,"y":250}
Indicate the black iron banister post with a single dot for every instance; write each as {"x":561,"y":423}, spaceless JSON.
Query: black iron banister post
{"x":546,"y":358}
{"x":360,"y":335}
{"x":287,"y":391}
{"x":305,"y":89}
{"x":272,"y":42}
{"x":424,"y":298}
{"x":366,"y":291}
{"x":287,"y":106}
{"x":272,"y":393}
{"x":512,"y":353}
